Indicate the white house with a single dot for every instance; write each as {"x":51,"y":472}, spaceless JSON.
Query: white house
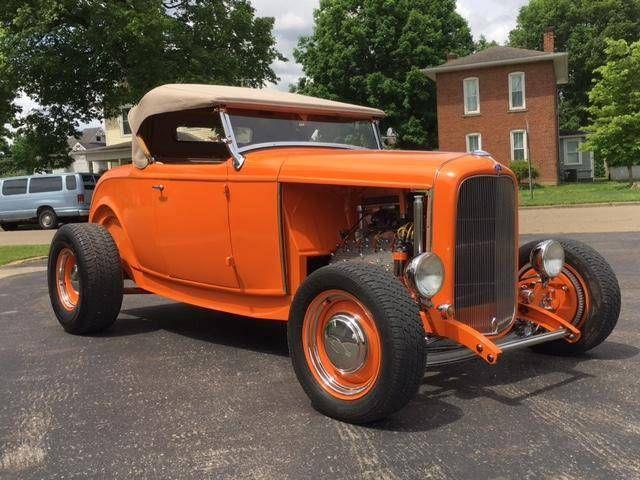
{"x":90,"y":139}
{"x":98,"y":149}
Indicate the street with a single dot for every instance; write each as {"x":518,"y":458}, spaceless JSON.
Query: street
{"x":173,"y":391}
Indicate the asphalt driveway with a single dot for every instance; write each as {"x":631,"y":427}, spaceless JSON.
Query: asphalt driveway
{"x":178,"y":392}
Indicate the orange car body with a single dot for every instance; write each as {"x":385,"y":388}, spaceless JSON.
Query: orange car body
{"x":240,"y":241}
{"x":284,"y":207}
{"x":230,"y":215}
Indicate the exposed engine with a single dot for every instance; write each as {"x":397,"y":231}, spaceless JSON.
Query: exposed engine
{"x":383,"y":233}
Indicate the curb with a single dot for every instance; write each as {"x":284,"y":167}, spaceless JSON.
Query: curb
{"x":578,"y":205}
{"x":17,"y":263}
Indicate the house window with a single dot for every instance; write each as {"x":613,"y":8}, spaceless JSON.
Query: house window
{"x":471,"y":89}
{"x":572,"y":154}
{"x":474,"y":142}
{"x":519,"y":150}
{"x":517,"y":99}
{"x":124,"y":121}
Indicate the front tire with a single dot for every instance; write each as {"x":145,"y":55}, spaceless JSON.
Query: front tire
{"x":9,"y":227}
{"x":85,"y":278}
{"x":356,"y":342}
{"x":591,"y":301}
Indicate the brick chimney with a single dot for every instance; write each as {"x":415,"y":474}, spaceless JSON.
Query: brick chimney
{"x":451,"y":56}
{"x":549,"y":40}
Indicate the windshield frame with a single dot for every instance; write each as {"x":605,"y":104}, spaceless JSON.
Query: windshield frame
{"x":238,"y":153}
{"x":297,"y":143}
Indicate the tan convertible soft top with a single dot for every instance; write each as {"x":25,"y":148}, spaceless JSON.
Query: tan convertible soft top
{"x":179,"y":97}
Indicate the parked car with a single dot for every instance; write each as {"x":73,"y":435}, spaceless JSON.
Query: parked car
{"x":284,"y":207}
{"x":45,"y":199}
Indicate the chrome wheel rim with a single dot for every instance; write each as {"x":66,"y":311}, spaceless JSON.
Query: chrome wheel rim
{"x":47,"y":220}
{"x":345,"y":342}
{"x":342,"y":344}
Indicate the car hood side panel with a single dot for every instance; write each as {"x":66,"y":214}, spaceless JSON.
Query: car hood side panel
{"x":388,"y":168}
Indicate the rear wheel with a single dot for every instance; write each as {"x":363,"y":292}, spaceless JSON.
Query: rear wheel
{"x":85,"y":278}
{"x":356,"y":341}
{"x":47,"y":219}
{"x":8,"y":227}
{"x":586,"y":294}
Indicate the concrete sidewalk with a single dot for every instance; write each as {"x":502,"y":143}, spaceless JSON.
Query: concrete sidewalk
{"x":571,"y":219}
{"x":580,"y":219}
{"x":26,"y":237}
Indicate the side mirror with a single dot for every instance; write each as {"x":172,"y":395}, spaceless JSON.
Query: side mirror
{"x":391,"y":138}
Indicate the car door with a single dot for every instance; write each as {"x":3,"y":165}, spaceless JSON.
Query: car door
{"x":192,"y":222}
{"x":137,"y":206}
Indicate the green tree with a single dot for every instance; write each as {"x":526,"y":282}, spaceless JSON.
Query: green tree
{"x":482,"y":44}
{"x":7,"y":108}
{"x":581,"y":27}
{"x":371,"y":52}
{"x":40,"y":144}
{"x":82,"y":60}
{"x":615,"y":107}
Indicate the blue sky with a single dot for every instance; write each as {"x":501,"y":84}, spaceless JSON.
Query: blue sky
{"x":293,"y":18}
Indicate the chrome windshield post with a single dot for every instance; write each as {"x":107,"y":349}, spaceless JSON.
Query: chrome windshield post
{"x":376,"y":133}
{"x":230,"y":139}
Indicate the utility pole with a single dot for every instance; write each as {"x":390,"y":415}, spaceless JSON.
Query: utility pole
{"x":529,"y":160}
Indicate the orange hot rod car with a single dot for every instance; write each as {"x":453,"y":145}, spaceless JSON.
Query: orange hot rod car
{"x":284,"y":207}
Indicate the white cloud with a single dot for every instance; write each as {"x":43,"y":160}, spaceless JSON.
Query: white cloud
{"x":491,"y":18}
{"x":292,"y":20}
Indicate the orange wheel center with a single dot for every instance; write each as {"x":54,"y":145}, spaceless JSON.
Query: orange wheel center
{"x":566,"y":295}
{"x":68,"y":279}
{"x":342,"y":344}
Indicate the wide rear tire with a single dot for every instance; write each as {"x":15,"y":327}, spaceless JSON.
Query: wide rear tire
{"x":595,"y":280}
{"x":85,"y":278}
{"x":356,"y":342}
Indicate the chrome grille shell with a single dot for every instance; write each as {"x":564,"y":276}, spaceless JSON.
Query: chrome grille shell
{"x":485,"y":253}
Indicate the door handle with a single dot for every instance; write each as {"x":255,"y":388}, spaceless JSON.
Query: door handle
{"x":160,"y":188}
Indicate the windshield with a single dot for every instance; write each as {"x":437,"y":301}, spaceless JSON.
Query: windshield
{"x":255,"y":128}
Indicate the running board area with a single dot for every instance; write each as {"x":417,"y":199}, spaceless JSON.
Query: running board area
{"x":442,"y":355}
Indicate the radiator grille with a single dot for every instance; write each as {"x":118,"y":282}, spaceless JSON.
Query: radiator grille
{"x":485,"y":256}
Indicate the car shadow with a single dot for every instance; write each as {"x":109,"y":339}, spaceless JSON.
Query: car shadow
{"x":204,"y":325}
{"x":473,"y":379}
{"x":432,"y":407}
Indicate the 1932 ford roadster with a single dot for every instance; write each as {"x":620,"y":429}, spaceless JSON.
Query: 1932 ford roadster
{"x":285,"y":207}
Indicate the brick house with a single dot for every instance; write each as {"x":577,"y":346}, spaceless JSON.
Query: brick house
{"x":503,"y":100}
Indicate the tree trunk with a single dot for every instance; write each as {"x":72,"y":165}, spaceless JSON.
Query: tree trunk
{"x":630,"y":170}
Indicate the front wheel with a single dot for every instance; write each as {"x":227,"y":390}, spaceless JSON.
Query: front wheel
{"x":85,"y":278}
{"x":586,"y":294}
{"x":356,"y":342}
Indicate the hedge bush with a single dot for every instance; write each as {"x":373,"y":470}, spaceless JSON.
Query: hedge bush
{"x":521,"y":170}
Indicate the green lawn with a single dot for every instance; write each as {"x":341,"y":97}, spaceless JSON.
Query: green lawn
{"x":573,"y":193}
{"x":12,"y":253}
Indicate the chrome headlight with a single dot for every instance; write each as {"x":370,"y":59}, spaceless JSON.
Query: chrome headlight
{"x":547,"y":258}
{"x":425,"y":274}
